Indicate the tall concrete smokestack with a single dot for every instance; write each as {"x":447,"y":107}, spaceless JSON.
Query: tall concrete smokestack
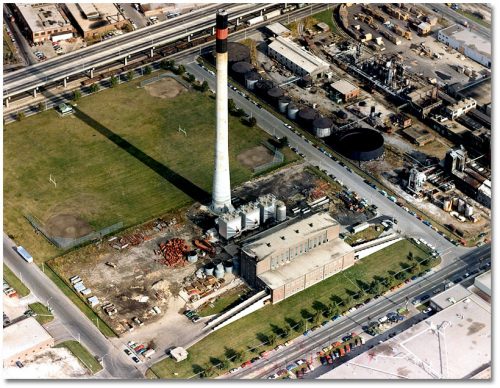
{"x":221,"y":192}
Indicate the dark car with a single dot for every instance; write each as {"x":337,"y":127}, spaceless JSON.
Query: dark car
{"x":323,"y":360}
{"x":425,"y":297}
{"x":127,"y":352}
{"x":136,"y":360}
{"x":19,"y":364}
{"x":346,"y":338}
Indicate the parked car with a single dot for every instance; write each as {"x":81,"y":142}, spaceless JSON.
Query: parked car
{"x":136,"y":360}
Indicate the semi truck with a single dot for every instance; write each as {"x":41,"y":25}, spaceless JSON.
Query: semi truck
{"x":24,"y":254}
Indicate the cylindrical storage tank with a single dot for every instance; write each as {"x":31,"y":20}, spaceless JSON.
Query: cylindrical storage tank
{"x":192,"y":257}
{"x":263,"y":86}
{"x":469,"y":210}
{"x":228,"y":266}
{"x":239,"y":69}
{"x":342,"y":115}
{"x":237,"y":52}
{"x":199,"y":273}
{"x":306,"y":116}
{"x":274,"y":94}
{"x":292,"y":110}
{"x":461,"y":205}
{"x":283,"y":103}
{"x":209,"y":269}
{"x":447,"y":205}
{"x":280,"y":211}
{"x":360,"y":144}
{"x":251,"y":79}
{"x":219,"y":274}
{"x":322,"y":126}
{"x":454,"y":201}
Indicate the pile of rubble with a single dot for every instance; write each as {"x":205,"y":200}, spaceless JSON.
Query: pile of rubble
{"x":200,"y":288}
{"x":173,"y":252}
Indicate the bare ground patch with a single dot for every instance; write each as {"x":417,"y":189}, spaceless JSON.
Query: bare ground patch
{"x":165,"y":88}
{"x":254,"y":157}
{"x":67,"y":226}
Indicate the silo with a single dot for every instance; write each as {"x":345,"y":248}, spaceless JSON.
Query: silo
{"x":274,"y":94}
{"x":283,"y":103}
{"x":292,"y":110}
{"x":267,"y":207}
{"x":239,"y":69}
{"x":454,"y":201}
{"x":306,"y":116}
{"x":280,"y":211}
{"x":199,"y":273}
{"x":219,"y":273}
{"x":237,"y":52}
{"x":218,"y":265}
{"x":263,"y":86}
{"x":209,"y":269}
{"x":469,"y":210}
{"x":461,"y":205}
{"x":251,"y":79}
{"x":322,"y":126}
{"x":192,"y":257}
{"x":228,"y":266}
{"x":447,"y":205}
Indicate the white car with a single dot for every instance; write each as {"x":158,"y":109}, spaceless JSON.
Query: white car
{"x":427,"y":310}
{"x":235,"y":370}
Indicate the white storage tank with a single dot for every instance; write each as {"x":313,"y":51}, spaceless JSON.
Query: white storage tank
{"x":461,"y":206}
{"x":283,"y":103}
{"x":469,"y":210}
{"x":447,"y":205}
{"x":250,"y":216}
{"x":280,"y":211}
{"x":292,"y":110}
{"x":192,"y":257}
{"x":322,"y":127}
{"x":230,"y":225}
{"x":267,"y":205}
{"x":251,"y":78}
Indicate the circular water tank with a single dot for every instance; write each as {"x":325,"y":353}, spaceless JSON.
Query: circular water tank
{"x":322,"y":126}
{"x":275,"y":93}
{"x":292,"y":110}
{"x":360,"y":144}
{"x":342,"y":115}
{"x":228,"y":266}
{"x":237,"y":52}
{"x":283,"y":103}
{"x":239,"y":69}
{"x":280,"y":212}
{"x":209,"y":269}
{"x":263,"y":86}
{"x":219,"y":274}
{"x":306,"y":116}
{"x":251,"y":78}
{"x":199,"y":273}
{"x":192,"y":257}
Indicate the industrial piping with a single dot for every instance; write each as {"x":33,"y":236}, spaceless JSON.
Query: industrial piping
{"x":221,"y":192}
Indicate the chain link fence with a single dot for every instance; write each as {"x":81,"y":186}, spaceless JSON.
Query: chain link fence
{"x":278,"y":158}
{"x":68,"y":243}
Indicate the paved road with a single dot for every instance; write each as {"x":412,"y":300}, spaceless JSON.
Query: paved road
{"x":135,"y":16}
{"x":454,"y":16}
{"x":116,"y":363}
{"x":274,"y":126}
{"x":325,"y":335}
{"x":23,"y":47}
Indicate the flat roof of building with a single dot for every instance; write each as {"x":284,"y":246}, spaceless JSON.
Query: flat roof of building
{"x":452,"y":344}
{"x":42,"y":17}
{"x":108,"y":14}
{"x":344,"y":86}
{"x":450,"y":296}
{"x":469,"y":38}
{"x":293,"y":52}
{"x":281,"y":238}
{"x":22,"y":336}
{"x":484,"y":280}
{"x":305,"y":263}
{"x":278,"y":29}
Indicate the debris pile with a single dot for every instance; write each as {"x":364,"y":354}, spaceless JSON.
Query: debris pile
{"x":203,"y":287}
{"x":173,"y":252}
{"x":205,"y":246}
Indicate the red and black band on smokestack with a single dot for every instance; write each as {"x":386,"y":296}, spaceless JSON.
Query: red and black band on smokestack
{"x":221,"y":31}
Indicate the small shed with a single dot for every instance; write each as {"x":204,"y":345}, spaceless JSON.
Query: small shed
{"x":179,"y":354}
{"x":65,"y":109}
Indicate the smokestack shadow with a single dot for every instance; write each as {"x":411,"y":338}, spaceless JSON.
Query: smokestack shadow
{"x":189,"y":188}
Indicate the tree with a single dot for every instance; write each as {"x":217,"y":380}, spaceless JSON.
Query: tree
{"x":113,"y":81}
{"x":250,"y":121}
{"x":271,"y":339}
{"x":204,"y":86}
{"x":190,"y":77}
{"x":348,"y":300}
{"x":361,"y":293}
{"x":208,"y":371}
{"x":286,"y":331}
{"x":77,"y":94}
{"x":400,"y":275}
{"x":130,"y":76}
{"x":42,"y":106}
{"x":239,"y":355}
{"x":231,"y":106}
{"x":94,"y":88}
{"x":20,"y":116}
{"x":180,"y":70}
{"x":301,"y":325}
{"x":376,"y":287}
{"x":224,"y":363}
{"x":318,"y":316}
{"x":147,"y":69}
{"x":167,"y":64}
{"x":410,"y":256}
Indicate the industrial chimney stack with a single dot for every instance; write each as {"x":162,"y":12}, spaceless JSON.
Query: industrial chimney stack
{"x":221,"y":192}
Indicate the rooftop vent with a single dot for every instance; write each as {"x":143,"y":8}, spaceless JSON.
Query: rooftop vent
{"x":311,"y":224}
{"x":282,"y":237}
{"x":296,"y":231}
{"x":268,"y":244}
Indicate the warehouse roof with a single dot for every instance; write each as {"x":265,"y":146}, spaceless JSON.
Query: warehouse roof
{"x":22,"y":336}
{"x":107,"y":13}
{"x":344,"y":87}
{"x":469,"y":38}
{"x":483,"y":282}
{"x":281,"y":237}
{"x":450,"y":296}
{"x":42,"y":17}
{"x":452,"y":344}
{"x":305,"y":263}
{"x":297,"y":55}
{"x":278,"y":29}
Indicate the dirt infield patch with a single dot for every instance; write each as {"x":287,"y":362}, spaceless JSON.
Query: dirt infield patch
{"x":67,"y":226}
{"x":255,"y":157}
{"x":165,"y":88}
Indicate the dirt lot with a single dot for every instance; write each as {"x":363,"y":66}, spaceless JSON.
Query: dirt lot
{"x":67,"y":225}
{"x":254,"y":157}
{"x":165,"y":88}
{"x":56,"y":363}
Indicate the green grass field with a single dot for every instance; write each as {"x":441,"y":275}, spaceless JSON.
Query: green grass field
{"x":365,"y":235}
{"x":229,"y":298}
{"x":471,"y":16}
{"x":119,"y":158}
{"x":82,"y":354}
{"x":247,"y":332}
{"x":43,"y":314}
{"x":325,"y":17}
{"x":14,"y":282}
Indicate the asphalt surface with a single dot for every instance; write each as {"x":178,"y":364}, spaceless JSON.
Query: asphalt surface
{"x":24,"y":48}
{"x":116,"y":363}
{"x":448,"y":13}
{"x":305,"y":345}
{"x":273,"y":125}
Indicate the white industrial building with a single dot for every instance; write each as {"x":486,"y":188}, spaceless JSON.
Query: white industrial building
{"x":467,"y":42}
{"x":416,"y":180}
{"x":460,"y":108}
{"x":296,"y":58}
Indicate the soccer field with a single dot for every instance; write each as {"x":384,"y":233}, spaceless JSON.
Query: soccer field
{"x":120,"y":157}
